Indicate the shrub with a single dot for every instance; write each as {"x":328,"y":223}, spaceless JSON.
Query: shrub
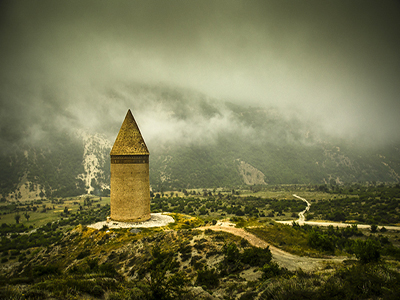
{"x":45,"y":270}
{"x":322,"y":241}
{"x":231,"y":253}
{"x":270,"y":270}
{"x":367,"y":251}
{"x":208,"y":277}
{"x":256,"y":257}
{"x":108,"y":269}
{"x":83,"y":254}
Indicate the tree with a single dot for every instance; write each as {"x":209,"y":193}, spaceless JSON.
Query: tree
{"x":374,"y":228}
{"x":17,"y":217}
{"x":27,"y":216}
{"x":231,"y":253}
{"x":322,"y":241}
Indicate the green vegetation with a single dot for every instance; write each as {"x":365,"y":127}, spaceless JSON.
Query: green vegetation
{"x":354,"y":203}
{"x":52,"y":254}
{"x":156,"y":264}
{"x":84,"y":210}
{"x":217,"y":205}
{"x":317,"y":241}
{"x":159,"y":264}
{"x":371,"y":281}
{"x":22,"y":237}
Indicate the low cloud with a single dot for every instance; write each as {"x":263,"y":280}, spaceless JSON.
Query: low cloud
{"x":72,"y":65}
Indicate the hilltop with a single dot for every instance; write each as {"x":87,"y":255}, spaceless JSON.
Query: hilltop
{"x":180,"y":261}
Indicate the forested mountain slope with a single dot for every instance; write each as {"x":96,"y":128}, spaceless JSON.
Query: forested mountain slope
{"x":213,"y":144}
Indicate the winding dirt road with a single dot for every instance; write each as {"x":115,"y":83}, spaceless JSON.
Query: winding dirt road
{"x":301,"y":214}
{"x":284,"y":259}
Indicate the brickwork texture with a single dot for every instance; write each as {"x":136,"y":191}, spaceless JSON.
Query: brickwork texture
{"x":130,"y":192}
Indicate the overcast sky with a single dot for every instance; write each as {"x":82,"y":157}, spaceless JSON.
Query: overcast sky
{"x":336,"y":63}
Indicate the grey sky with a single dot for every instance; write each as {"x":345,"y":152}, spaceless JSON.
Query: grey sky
{"x":335,"y":63}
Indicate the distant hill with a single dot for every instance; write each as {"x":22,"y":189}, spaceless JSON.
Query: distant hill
{"x":219,"y":144}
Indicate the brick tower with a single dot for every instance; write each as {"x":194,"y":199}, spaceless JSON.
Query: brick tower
{"x":130,"y":184}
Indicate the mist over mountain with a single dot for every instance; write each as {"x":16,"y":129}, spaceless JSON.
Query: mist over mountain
{"x":203,"y":143}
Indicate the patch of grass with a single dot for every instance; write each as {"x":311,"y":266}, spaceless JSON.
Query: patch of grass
{"x":68,"y":285}
{"x":184,"y":221}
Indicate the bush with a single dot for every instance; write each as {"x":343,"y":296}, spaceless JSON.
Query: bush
{"x":231,"y":253}
{"x":45,"y":270}
{"x":208,"y":277}
{"x":256,"y":257}
{"x":83,"y":254}
{"x":108,"y":269}
{"x":367,"y":251}
{"x":270,"y":270}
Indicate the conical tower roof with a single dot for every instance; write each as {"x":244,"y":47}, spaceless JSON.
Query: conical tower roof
{"x":129,"y":140}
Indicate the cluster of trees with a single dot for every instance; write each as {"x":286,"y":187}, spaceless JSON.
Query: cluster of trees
{"x":371,"y":205}
{"x":369,"y":189}
{"x":86,"y":216}
{"x":23,"y":210}
{"x":12,"y":247}
{"x":49,"y":233}
{"x":227,"y":205}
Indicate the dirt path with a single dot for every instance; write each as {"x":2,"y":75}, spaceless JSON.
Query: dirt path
{"x":284,"y":259}
{"x":301,"y":214}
